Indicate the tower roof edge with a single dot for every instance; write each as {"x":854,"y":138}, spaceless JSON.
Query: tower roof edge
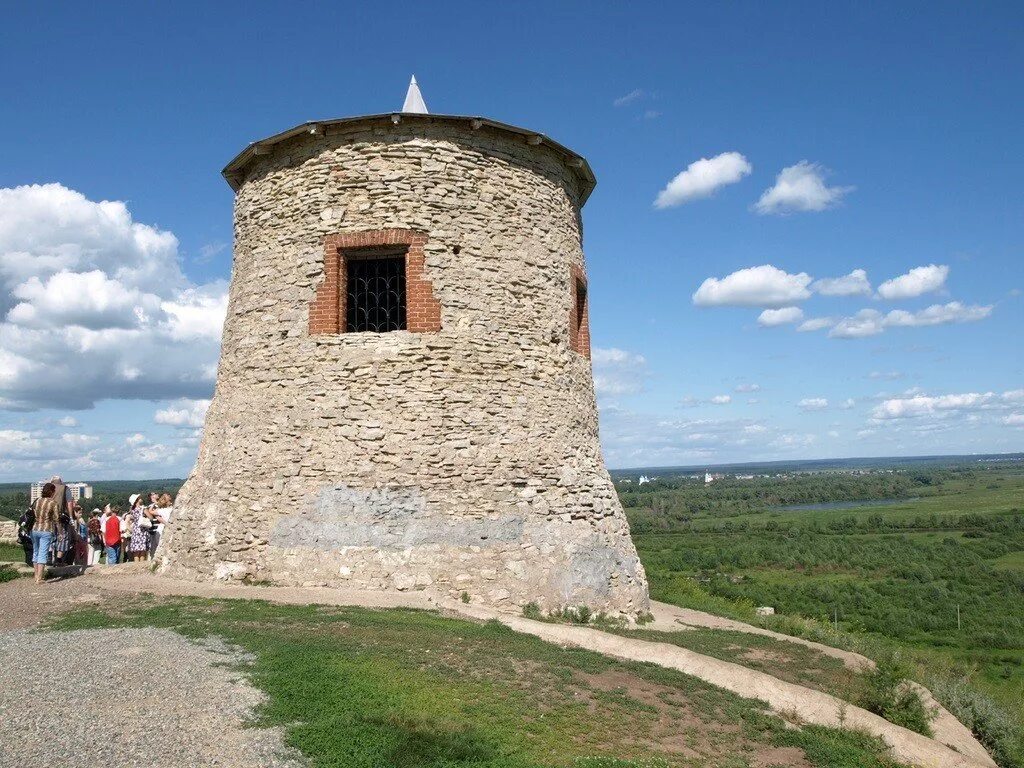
{"x":234,"y":171}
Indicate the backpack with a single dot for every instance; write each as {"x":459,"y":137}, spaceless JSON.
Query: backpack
{"x":25,"y":525}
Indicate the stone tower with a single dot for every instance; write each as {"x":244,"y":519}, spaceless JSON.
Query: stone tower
{"x":404,"y":398}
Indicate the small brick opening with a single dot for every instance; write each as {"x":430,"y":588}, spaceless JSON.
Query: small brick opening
{"x":579,"y":314}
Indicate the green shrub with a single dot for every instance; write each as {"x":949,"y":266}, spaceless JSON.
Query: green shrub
{"x":888,"y":695}
{"x":579,"y":615}
{"x":532,"y":611}
{"x":990,"y":724}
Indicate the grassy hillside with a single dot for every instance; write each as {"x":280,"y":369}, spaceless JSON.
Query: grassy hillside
{"x":364,"y":688}
{"x":888,"y":575}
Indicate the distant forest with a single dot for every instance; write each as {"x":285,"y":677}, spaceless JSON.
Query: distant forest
{"x":14,"y":496}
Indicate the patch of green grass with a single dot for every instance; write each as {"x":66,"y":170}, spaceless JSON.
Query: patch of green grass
{"x":359,"y":688}
{"x":841,"y":749}
{"x":1012,"y":561}
{"x":11,"y":552}
{"x":792,"y":662}
{"x":7,"y":573}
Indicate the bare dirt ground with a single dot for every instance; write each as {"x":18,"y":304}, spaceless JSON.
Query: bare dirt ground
{"x":23,"y":604}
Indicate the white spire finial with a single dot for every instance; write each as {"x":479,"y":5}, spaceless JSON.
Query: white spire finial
{"x":414,"y":100}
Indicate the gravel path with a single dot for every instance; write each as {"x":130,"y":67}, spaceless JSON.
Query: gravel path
{"x":138,"y":697}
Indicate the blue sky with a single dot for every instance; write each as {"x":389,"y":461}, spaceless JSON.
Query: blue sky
{"x":900,"y":127}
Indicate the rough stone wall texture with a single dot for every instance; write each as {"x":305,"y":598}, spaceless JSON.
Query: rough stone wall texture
{"x":8,"y":532}
{"x":462,"y":460}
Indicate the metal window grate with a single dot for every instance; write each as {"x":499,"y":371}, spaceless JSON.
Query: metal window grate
{"x":376,"y":294}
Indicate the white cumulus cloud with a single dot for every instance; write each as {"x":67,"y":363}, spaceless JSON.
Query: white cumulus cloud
{"x":854,"y":284}
{"x":815,"y":324}
{"x":813,"y":404}
{"x":785,"y":316}
{"x":919,"y":405}
{"x":938,"y":314}
{"x":617,"y":371}
{"x":871,"y":322}
{"x":721,"y":399}
{"x":702,"y":178}
{"x":184,"y":413}
{"x":916,"y":282}
{"x":800,"y":187}
{"x":763,"y":286}
{"x":867,"y":322}
{"x":94,"y":305}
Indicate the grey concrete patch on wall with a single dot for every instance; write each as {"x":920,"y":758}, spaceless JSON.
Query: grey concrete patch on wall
{"x":387,"y":519}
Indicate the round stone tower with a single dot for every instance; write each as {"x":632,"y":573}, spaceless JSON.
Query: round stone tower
{"x":404,"y":398}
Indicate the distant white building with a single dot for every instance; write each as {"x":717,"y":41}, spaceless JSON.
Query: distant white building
{"x":77,"y":490}
{"x":710,"y":478}
{"x":645,"y":479}
{"x":80,"y":491}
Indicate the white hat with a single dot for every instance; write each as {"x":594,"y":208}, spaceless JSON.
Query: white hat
{"x":133,"y":498}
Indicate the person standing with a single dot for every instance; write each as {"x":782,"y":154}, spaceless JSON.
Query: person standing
{"x":138,"y":529}
{"x":112,"y":536}
{"x":46,"y":511}
{"x":81,"y":537}
{"x":94,"y":538}
{"x":63,"y":540}
{"x":61,"y":494}
{"x":162,"y":516}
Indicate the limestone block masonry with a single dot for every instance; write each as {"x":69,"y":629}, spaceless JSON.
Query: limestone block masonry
{"x":458,"y":456}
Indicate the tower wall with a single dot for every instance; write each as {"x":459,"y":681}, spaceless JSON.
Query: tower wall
{"x":460,"y":456}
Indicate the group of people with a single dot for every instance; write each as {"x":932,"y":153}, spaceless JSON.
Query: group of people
{"x":56,"y":531}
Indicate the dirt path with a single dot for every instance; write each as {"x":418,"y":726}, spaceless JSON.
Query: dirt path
{"x":672,"y":618}
{"x":955,"y":747}
{"x":947,"y":729}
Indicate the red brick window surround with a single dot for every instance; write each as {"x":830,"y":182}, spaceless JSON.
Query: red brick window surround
{"x":327,"y":312}
{"x":579,"y":313}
